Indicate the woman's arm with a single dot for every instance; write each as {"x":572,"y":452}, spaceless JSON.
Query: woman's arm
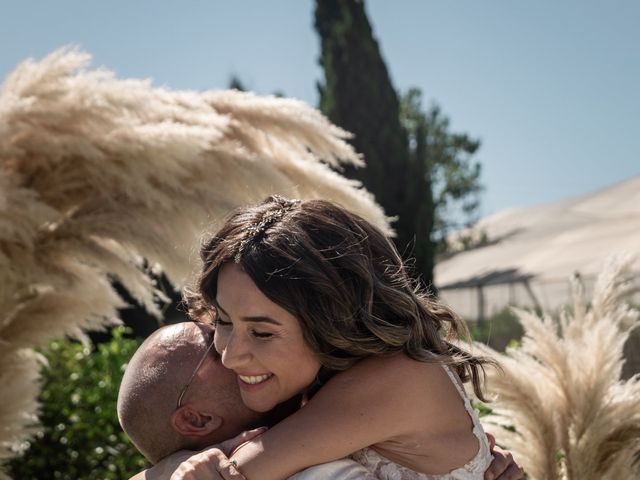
{"x":376,"y":400}
{"x":210,"y":464}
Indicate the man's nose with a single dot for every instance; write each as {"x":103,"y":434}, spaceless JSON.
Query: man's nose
{"x":236,"y":352}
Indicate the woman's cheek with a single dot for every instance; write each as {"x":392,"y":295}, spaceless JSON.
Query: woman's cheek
{"x":219,"y":340}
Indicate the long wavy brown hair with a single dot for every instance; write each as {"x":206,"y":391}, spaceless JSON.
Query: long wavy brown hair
{"x":342,"y":278}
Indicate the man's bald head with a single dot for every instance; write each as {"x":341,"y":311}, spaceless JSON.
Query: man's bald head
{"x":211,"y":409}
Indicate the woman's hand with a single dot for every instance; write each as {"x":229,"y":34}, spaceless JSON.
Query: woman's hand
{"x":209,"y":464}
{"x":503,"y":467}
{"x":212,"y":463}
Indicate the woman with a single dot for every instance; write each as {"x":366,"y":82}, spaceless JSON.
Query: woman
{"x":313,"y":301}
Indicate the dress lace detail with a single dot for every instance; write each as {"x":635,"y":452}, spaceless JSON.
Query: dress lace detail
{"x":474,"y":469}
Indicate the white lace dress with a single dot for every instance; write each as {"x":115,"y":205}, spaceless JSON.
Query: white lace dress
{"x":385,"y":469}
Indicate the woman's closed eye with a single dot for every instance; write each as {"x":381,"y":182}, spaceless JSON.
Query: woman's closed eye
{"x":222,"y":323}
{"x":261,"y":335}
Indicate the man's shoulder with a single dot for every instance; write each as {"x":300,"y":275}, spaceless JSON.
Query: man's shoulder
{"x":344,"y":469}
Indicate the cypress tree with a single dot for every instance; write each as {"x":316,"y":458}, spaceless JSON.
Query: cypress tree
{"x":358,"y":95}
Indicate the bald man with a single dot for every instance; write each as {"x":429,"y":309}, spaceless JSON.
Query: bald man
{"x":176,"y":395}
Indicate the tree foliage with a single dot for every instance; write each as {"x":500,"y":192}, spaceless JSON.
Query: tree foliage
{"x":358,"y":95}
{"x":235,"y":83}
{"x":417,"y":169}
{"x":452,"y":175}
{"x":81,"y":437}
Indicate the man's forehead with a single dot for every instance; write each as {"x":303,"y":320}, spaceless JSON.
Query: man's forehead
{"x":186,"y":333}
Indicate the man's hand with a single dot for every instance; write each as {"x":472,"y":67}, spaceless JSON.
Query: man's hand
{"x":503,"y":467}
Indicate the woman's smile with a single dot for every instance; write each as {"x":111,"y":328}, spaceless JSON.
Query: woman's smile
{"x":254,"y":379}
{"x":253,"y":384}
{"x":261,"y":341}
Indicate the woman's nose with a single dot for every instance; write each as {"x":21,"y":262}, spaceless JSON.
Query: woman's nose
{"x":235,"y":353}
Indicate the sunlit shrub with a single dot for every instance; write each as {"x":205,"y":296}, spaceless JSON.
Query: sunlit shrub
{"x":499,"y":330}
{"x":81,"y":437}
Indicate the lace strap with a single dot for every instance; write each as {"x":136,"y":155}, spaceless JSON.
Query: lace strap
{"x":477,"y":430}
{"x":456,"y":382}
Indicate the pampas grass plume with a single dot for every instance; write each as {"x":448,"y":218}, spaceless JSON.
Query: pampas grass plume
{"x":103,"y":179}
{"x":574,"y":417}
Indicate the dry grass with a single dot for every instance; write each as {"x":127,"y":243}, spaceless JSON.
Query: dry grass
{"x":562,"y":389}
{"x":98,"y":173}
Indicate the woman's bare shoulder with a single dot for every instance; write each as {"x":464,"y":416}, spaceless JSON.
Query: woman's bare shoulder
{"x":413,"y":400}
{"x":400,"y":389}
{"x":392,"y":370}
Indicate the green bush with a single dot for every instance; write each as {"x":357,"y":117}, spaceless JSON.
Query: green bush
{"x":81,"y":437}
{"x":499,"y":331}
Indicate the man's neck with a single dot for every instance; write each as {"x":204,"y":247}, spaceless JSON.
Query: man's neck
{"x":280,"y":412}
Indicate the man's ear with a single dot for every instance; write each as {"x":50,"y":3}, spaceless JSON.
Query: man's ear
{"x":188,"y":421}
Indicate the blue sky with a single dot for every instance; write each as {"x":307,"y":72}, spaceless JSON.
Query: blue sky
{"x":551,"y":88}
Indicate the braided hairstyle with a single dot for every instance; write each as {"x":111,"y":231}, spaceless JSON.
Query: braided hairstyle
{"x":344,"y":281}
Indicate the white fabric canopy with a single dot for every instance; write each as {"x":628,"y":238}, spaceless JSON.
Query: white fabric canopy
{"x":532,"y":252}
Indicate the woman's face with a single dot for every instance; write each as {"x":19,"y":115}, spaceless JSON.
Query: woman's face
{"x":261,"y":342}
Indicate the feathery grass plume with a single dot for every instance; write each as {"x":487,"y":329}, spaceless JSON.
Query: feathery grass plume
{"x":574,"y":417}
{"x":19,"y":377}
{"x":102,"y":179}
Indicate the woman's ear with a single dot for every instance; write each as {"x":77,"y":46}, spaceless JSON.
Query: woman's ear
{"x":190,"y":422}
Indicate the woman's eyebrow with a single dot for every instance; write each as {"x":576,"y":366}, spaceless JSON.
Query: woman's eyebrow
{"x":261,"y":319}
{"x":255,"y":319}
